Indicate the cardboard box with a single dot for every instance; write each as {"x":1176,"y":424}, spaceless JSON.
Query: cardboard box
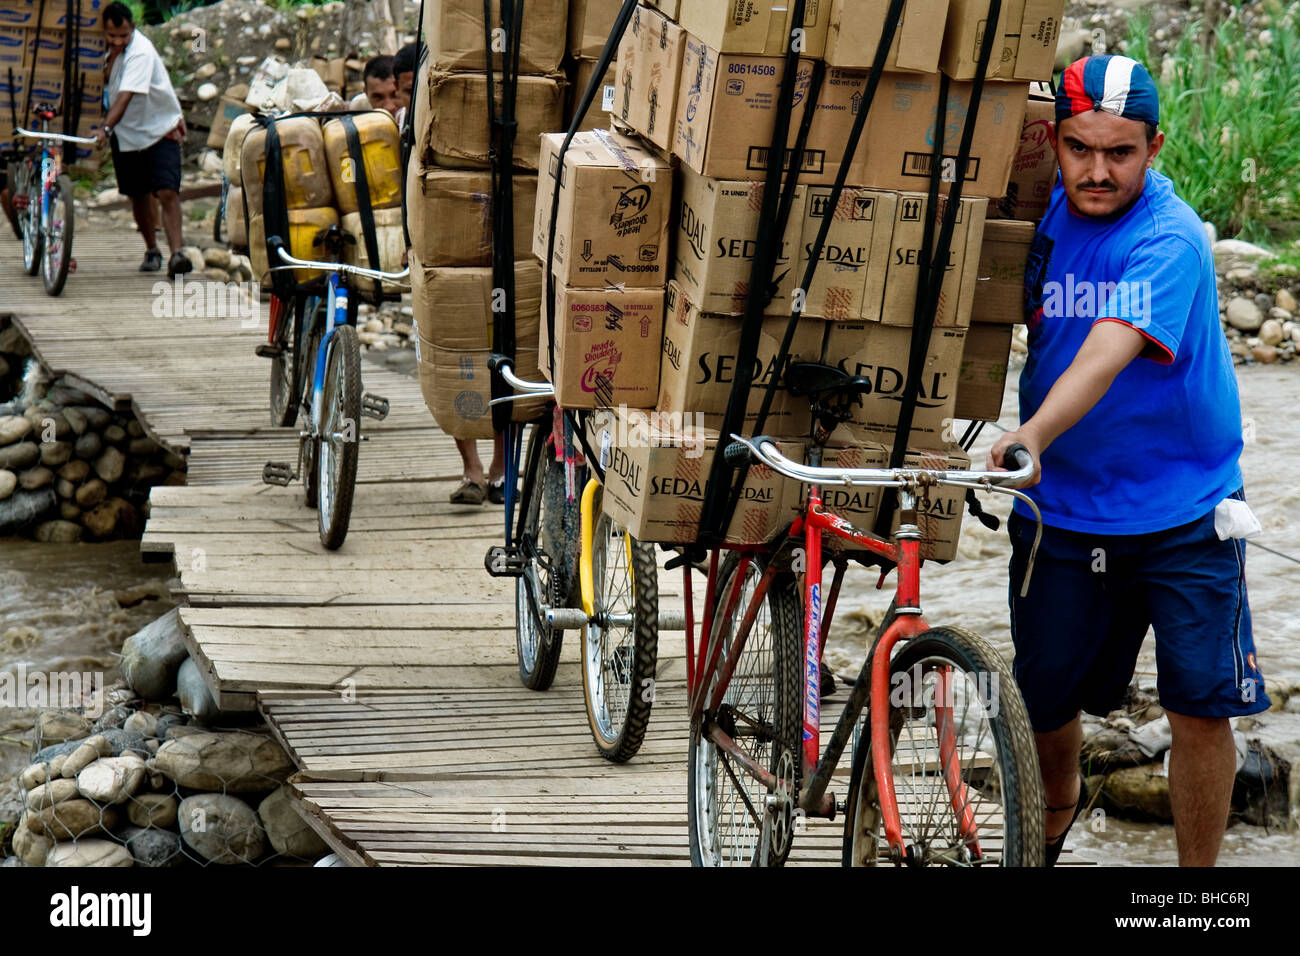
{"x":983,"y":376}
{"x":454,"y":31}
{"x":880,"y":353}
{"x":590,"y":24}
{"x":46,"y":48}
{"x":854,"y":28}
{"x":670,"y":8}
{"x":597,"y":117}
{"x":898,"y":140}
{"x":1000,"y":279}
{"x":759,"y":27}
{"x":906,"y":252}
{"x":47,"y":87}
{"x":940,"y":511}
{"x":615,"y":201}
{"x":717,"y":239}
{"x":699,"y":365}
{"x":1024,"y":47}
{"x":449,"y":215}
{"x":850,"y":279}
{"x":453,"y":315}
{"x":453,"y":128}
{"x":228,"y":109}
{"x":19,"y":14}
{"x":1033,"y":171}
{"x":607,"y":344}
{"x":859,"y":505}
{"x":656,"y":474}
{"x":92,"y":53}
{"x":88,"y":13}
{"x":648,"y":75}
{"x":726,"y":112}
{"x":14,"y":53}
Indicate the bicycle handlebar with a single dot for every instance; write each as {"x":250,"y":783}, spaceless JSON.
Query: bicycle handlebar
{"x":277,"y":244}
{"x":62,"y":137}
{"x":502,"y":365}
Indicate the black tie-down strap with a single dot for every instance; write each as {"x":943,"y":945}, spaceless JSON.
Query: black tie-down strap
{"x":275,"y":207}
{"x":362,"y":184}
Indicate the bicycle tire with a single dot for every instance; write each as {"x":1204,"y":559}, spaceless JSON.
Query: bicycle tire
{"x":550,"y":544}
{"x":11,"y":177}
{"x":58,"y":236}
{"x":341,"y":416}
{"x":773,"y":656}
{"x":286,"y":370}
{"x":310,"y":444}
{"x":1012,"y":775}
{"x":618,"y":680}
{"x":33,"y":237}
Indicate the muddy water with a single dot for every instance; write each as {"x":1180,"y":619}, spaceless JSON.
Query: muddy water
{"x":972,"y":591}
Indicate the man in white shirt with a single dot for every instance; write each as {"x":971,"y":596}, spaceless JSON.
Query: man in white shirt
{"x":145,"y":127}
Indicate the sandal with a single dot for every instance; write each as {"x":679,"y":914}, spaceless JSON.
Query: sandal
{"x":468,"y":493}
{"x":496,"y":491}
{"x":1052,"y":848}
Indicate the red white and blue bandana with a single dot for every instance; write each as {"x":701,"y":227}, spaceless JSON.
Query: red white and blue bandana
{"x":1111,"y":84}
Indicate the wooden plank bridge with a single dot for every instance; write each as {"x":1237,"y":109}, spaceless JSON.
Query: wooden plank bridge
{"x":387,"y":668}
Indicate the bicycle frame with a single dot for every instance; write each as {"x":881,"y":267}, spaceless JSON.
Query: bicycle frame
{"x":336,"y":315}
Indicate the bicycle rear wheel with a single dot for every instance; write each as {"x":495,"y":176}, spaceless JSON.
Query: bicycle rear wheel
{"x":964,"y":764}
{"x":30,"y":220}
{"x":340,"y":436}
{"x":286,"y":380}
{"x":310,"y":444}
{"x":56,"y":258}
{"x":762,"y":711}
{"x":621,"y":648}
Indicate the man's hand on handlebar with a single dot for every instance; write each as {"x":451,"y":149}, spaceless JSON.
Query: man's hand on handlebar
{"x":997,"y":462}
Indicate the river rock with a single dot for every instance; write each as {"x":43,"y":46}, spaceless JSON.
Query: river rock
{"x":17,"y":456}
{"x":14,"y":428}
{"x":192,"y":689}
{"x":1285,"y":300}
{"x":153,"y":847}
{"x":1264,"y":354}
{"x":89,"y":853}
{"x":8,"y":482}
{"x":1270,"y":333}
{"x":113,"y":718}
{"x":228,"y":762}
{"x":51,"y":793}
{"x":58,"y":532}
{"x":65,"y":489}
{"x":57,"y":726}
{"x":112,"y":779}
{"x":96,"y":416}
{"x":1235,"y":250}
{"x":55,"y":453}
{"x":217,"y":256}
{"x":91,"y":493}
{"x":23,"y":509}
{"x":31,"y":847}
{"x":1243,"y":314}
{"x":1140,"y":793}
{"x":114,"y":434}
{"x":109,"y":465}
{"x":146,"y":473}
{"x":88,"y":446}
{"x":152,"y":655}
{"x":90,"y":750}
{"x":72,"y":514}
{"x":286,"y":829}
{"x":152,"y":810}
{"x":115,"y":516}
{"x":134,"y":429}
{"x":142,"y":446}
{"x":40,"y":476}
{"x":72,"y":818}
{"x":221,"y":828}
{"x":35,"y":774}
{"x":76,"y":421}
{"x":141,"y":722}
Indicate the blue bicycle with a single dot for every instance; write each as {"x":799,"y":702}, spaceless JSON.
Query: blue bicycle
{"x":316,"y":373}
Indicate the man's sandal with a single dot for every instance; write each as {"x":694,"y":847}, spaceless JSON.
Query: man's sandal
{"x":1052,"y":848}
{"x":468,"y":493}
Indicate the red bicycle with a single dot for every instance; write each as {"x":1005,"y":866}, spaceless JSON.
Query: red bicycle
{"x":945,"y":771}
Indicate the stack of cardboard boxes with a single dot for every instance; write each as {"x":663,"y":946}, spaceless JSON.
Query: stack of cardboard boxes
{"x":33,"y":44}
{"x":699,"y":80}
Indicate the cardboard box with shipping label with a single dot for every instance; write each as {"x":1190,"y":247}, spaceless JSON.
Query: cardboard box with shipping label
{"x":615,"y":201}
{"x":881,"y":354}
{"x":983,"y":378}
{"x":14,"y":52}
{"x":717,"y":239}
{"x":649,"y":71}
{"x":760,"y":27}
{"x":855,"y":27}
{"x":89,"y":15}
{"x":907,"y":250}
{"x":1024,"y":44}
{"x":454,"y":31}
{"x":607,"y":345}
{"x":726,"y":112}
{"x":939,"y":511}
{"x":19,"y":14}
{"x":590,"y":24}
{"x":699,"y":368}
{"x":1000,"y":279}
{"x":453,"y":121}
{"x":656,"y":473}
{"x":449,"y":215}
{"x":602,"y":104}
{"x":1033,"y":172}
{"x":850,"y":279}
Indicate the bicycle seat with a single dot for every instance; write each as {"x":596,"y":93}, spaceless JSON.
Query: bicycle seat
{"x":44,"y":110}
{"x":831,"y":391}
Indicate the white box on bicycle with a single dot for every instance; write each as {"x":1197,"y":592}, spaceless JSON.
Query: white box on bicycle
{"x":615,"y":202}
{"x":698,"y":365}
{"x":607,"y":344}
{"x":850,"y":278}
{"x":717,"y":239}
{"x":880,"y":353}
{"x":656,"y":469}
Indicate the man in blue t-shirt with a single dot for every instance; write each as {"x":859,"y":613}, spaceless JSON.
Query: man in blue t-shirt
{"x":1129,"y":404}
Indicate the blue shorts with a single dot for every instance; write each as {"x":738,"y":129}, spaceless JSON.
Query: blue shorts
{"x":1091,"y":600}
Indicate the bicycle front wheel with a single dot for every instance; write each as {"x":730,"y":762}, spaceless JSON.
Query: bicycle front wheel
{"x":963,"y":762}
{"x":340,"y":436}
{"x":30,"y":220}
{"x":622,"y":645}
{"x":57,"y":256}
{"x":286,"y":382}
{"x":728,"y":811}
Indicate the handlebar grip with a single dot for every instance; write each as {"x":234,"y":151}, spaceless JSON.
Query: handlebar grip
{"x":276,"y":243}
{"x":736,"y":454}
{"x":496,"y":361}
{"x":1015,"y":454}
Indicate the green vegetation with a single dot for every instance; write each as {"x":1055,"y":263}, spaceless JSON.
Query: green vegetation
{"x":1230,"y":111}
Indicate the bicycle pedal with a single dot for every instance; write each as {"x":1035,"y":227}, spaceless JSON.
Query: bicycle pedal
{"x":374,"y":406}
{"x":268,"y":351}
{"x":277,"y":473}
{"x":503,"y":562}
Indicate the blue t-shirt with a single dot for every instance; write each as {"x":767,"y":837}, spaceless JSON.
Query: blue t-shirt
{"x":1161,"y":447}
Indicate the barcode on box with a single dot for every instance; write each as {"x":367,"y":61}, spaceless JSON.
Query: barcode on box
{"x":918,"y":164}
{"x":814,"y":160}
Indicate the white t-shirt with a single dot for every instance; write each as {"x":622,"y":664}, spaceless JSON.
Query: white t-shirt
{"x":154,"y":110}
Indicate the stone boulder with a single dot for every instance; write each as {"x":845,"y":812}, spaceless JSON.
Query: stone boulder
{"x":288,"y":832}
{"x":152,"y":810}
{"x":25,"y":508}
{"x":109,"y":465}
{"x":221,"y":828}
{"x":87,"y":752}
{"x":152,"y":655}
{"x":152,"y":847}
{"x":8,"y":482}
{"x":57,"y":532}
{"x":21,"y":455}
{"x":112,"y":779}
{"x":56,"y":453}
{"x":192,"y":689}
{"x":71,"y":819}
{"x":50,"y":794}
{"x":89,"y":853}
{"x":30,"y":847}
{"x":13,"y":428}
{"x":1139,"y":793}
{"x":40,"y":476}
{"x":58,"y":726}
{"x":227,"y":762}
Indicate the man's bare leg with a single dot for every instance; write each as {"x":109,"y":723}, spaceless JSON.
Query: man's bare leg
{"x":471,"y":464}
{"x":498,"y":466}
{"x":170,"y":201}
{"x":1058,"y":759}
{"x":1202,"y":765}
{"x":142,"y":210}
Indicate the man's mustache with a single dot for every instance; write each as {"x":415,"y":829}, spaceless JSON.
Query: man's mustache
{"x":1104,"y":184}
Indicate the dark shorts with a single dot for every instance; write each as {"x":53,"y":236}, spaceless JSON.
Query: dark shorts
{"x":1091,"y":600}
{"x":148,"y":170}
